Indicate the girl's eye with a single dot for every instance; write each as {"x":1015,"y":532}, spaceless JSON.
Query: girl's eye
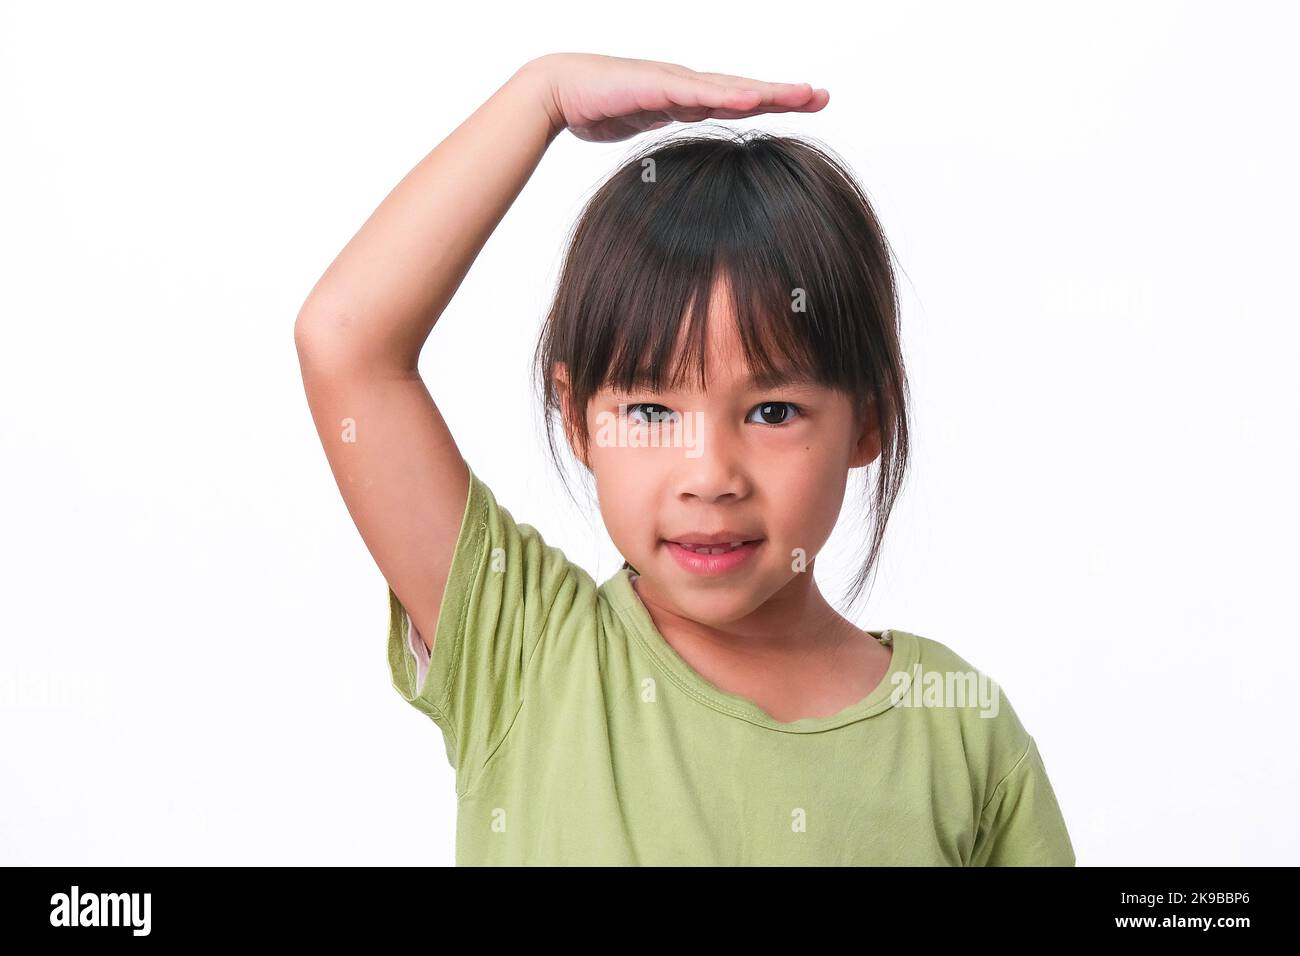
{"x":775,"y":413}
{"x":655,"y":415}
{"x":651,"y":413}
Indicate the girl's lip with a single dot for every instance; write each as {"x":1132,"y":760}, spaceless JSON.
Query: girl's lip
{"x":712,"y":540}
{"x":712,"y":564}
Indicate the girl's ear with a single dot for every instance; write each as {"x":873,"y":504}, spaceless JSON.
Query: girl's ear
{"x":561,"y":377}
{"x":868,"y":448}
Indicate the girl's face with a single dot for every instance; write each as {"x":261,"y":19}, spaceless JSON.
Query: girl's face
{"x":759,"y":462}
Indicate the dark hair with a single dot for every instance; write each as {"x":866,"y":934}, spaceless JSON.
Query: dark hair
{"x":770,"y":214}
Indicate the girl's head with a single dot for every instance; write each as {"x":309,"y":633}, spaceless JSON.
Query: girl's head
{"x":722,"y":349}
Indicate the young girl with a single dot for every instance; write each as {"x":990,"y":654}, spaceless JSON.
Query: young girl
{"x":722,"y":351}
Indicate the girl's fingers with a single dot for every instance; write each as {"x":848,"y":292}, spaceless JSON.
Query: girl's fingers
{"x":812,"y":104}
{"x":689,"y":101}
{"x":735,"y":104}
{"x":768,"y":90}
{"x":747,"y":94}
{"x":694,"y":92}
{"x":787,"y":96}
{"x":748,"y":82}
{"x":686,"y":96}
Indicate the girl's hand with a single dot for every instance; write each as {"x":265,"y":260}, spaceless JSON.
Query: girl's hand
{"x":604,"y":99}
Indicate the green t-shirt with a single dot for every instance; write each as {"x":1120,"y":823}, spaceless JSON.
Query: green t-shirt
{"x":580,"y":737}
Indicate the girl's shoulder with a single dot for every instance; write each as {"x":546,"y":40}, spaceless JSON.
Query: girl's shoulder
{"x":965,"y":700}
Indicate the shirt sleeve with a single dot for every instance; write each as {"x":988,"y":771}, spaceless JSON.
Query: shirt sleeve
{"x":1021,"y":823}
{"x":503,"y":586}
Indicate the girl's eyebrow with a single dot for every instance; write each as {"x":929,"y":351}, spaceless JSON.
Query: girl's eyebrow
{"x":760,"y":381}
{"x":776,"y":378}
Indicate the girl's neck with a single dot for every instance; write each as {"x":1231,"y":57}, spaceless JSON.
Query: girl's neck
{"x":797,"y":619}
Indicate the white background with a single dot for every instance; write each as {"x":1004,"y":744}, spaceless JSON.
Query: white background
{"x":1094,"y":208}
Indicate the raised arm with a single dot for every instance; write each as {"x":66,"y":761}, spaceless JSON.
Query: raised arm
{"x":360,"y":332}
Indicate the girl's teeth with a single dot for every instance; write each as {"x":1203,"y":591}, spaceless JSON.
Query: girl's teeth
{"x":715,"y":550}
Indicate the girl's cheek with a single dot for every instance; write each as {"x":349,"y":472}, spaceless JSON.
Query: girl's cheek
{"x":813,"y":486}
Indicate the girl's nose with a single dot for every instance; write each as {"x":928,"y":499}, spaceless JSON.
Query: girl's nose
{"x":713,"y":467}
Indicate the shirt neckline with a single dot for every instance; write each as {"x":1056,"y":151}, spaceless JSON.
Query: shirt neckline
{"x":625,"y":601}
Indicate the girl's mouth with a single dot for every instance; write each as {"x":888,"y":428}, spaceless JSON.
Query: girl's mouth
{"x":712,"y":559}
{"x":710,"y":548}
